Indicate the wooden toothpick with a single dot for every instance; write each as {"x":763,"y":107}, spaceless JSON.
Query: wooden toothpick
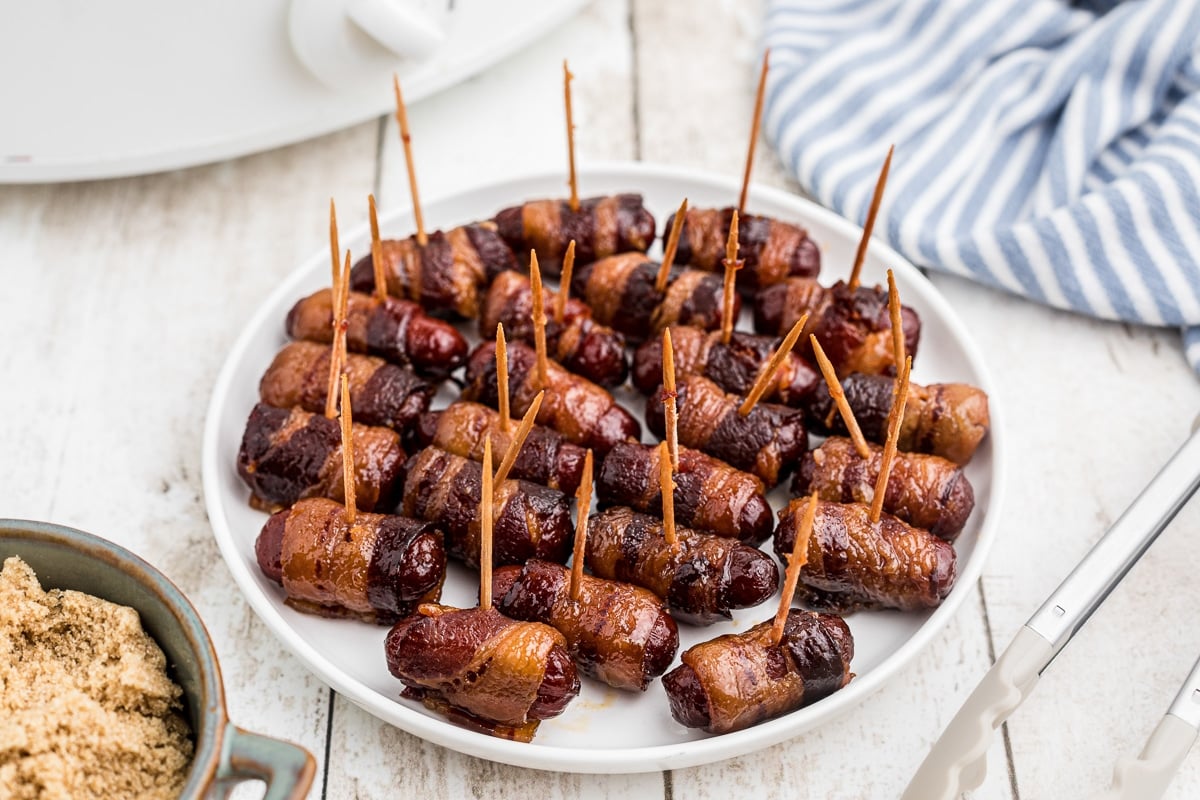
{"x":564,"y":283}
{"x":574,"y":200}
{"x":666,"y":484}
{"x":754,"y":124}
{"x":670,"y":406}
{"x":767,"y":373}
{"x":518,"y":439}
{"x":583,"y":507}
{"x":406,"y":140}
{"x":797,"y":560}
{"x":664,"y":270}
{"x":539,"y":319}
{"x":869,"y":225}
{"x":732,"y":265}
{"x":502,"y":378}
{"x":348,"y":453}
{"x":898,"y":346}
{"x":839,"y":398}
{"x":485,"y":528}
{"x":381,"y":290}
{"x":337,"y":353}
{"x":335,"y":251}
{"x":899,"y":401}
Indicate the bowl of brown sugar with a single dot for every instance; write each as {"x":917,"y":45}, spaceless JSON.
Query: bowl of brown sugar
{"x":109,"y":683}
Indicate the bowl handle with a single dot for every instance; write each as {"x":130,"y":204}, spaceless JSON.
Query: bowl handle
{"x":288,"y":769}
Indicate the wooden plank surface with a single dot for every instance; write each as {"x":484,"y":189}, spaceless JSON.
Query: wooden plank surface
{"x":123,"y":297}
{"x":1094,"y":409}
{"x":519,"y":105}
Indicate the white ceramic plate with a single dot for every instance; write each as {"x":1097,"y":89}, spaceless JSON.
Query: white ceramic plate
{"x":603,"y":730}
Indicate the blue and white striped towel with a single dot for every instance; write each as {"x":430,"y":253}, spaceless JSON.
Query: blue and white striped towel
{"x":1047,"y":148}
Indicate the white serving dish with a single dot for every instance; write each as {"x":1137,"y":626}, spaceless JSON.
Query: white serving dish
{"x":603,"y":730}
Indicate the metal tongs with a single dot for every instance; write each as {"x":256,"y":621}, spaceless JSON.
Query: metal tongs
{"x":958,"y":760}
{"x":1146,"y":777}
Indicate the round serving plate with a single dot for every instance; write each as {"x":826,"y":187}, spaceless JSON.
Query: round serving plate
{"x":603,"y":730}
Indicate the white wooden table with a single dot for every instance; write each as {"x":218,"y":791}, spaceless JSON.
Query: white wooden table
{"x":121,"y":299}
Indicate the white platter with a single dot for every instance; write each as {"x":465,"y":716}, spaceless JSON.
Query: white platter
{"x":603,"y":730}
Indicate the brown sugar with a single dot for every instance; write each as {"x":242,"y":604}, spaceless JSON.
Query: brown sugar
{"x":86,"y":707}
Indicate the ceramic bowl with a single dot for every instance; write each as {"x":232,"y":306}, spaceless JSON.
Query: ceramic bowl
{"x":65,"y":558}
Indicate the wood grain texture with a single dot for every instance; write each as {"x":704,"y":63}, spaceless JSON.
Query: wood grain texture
{"x":697,"y":72}
{"x":1094,"y":409}
{"x":122,"y":299}
{"x":126,"y":297}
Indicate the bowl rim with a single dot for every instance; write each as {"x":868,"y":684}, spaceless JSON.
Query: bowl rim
{"x":208,"y":732}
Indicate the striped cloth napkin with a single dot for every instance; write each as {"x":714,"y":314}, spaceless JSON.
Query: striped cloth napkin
{"x":1048,"y":148}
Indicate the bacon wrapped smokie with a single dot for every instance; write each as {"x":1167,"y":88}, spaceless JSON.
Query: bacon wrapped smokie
{"x":702,"y":579}
{"x":925,"y":491}
{"x":394,"y":329}
{"x":463,"y":427}
{"x":579,"y":343}
{"x":529,"y":520}
{"x":945,"y":419}
{"x":768,"y":441}
{"x":617,"y":633}
{"x":291,"y":454}
{"x":603,"y":226}
{"x":581,"y":411}
{"x":621,"y":292}
{"x":773,"y":249}
{"x":709,"y":494}
{"x":740,"y":679}
{"x":380,"y":393}
{"x":854,"y":563}
{"x":733,"y":366}
{"x":853,"y":327}
{"x":378,"y":568}
{"x":447,"y":275}
{"x":484,"y":670}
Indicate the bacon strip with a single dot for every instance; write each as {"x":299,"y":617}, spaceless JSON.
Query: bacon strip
{"x":622,"y":293}
{"x":709,"y":494}
{"x":479,"y":661}
{"x":378,"y":568}
{"x":949,"y":420}
{"x":581,"y":411}
{"x":702,"y":579}
{"x":773,"y":250}
{"x":545,"y":457}
{"x":733,"y":366}
{"x":767,"y":442}
{"x":852,"y":325}
{"x":447,"y":275}
{"x":740,"y":679}
{"x":291,"y":454}
{"x":529,"y":520}
{"x":925,"y":491}
{"x":579,"y":343}
{"x":381,"y":393}
{"x":603,"y":226}
{"x":617,"y":633}
{"x":853,"y":563}
{"x":393,"y":329}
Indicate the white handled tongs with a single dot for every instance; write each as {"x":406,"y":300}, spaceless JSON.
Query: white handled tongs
{"x":1147,"y":776}
{"x":958,"y":760}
